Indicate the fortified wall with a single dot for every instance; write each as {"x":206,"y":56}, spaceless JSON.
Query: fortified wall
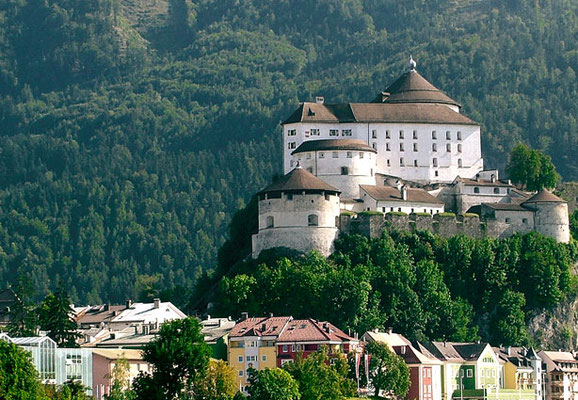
{"x":372,"y":225}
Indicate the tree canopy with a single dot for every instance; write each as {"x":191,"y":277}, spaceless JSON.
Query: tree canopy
{"x":531,"y":168}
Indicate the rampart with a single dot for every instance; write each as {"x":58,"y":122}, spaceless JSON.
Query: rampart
{"x":372,"y":225}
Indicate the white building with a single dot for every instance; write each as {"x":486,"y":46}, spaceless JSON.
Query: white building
{"x":416,"y":129}
{"x":406,"y":200}
{"x":146,"y":316}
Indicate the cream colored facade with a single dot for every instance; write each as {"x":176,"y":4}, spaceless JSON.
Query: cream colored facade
{"x":251,"y":352}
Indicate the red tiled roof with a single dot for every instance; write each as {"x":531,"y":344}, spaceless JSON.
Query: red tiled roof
{"x":310,"y":330}
{"x":97,"y":314}
{"x":272,"y":326}
{"x":388,"y":193}
{"x":299,"y":180}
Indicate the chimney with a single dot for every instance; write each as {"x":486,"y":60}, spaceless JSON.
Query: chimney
{"x":493,"y":178}
{"x":157,"y":303}
{"x":270,"y":315}
{"x":208,"y":317}
{"x":320,"y":99}
{"x":477,"y":177}
{"x":244,"y":315}
{"x":390,"y":330}
{"x":376,"y":330}
{"x":404,"y":192}
{"x":508,"y":350}
{"x":263,"y":327}
{"x":128,"y":303}
{"x":106,"y":307}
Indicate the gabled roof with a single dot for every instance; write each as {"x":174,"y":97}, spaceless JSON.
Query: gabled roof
{"x":98,"y":314}
{"x":506,"y":206}
{"x":470,"y":351}
{"x":215,"y":328}
{"x":333,"y":144}
{"x":148,"y":313}
{"x":411,"y":87}
{"x":310,"y":330}
{"x":483,"y":182}
{"x":544,"y":196}
{"x":389,"y":193}
{"x":272,"y":326}
{"x":299,"y":180}
{"x":32,"y":341}
{"x":378,"y":112}
{"x":412,"y":353}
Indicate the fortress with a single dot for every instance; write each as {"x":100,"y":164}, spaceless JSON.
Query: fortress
{"x":405,"y":160}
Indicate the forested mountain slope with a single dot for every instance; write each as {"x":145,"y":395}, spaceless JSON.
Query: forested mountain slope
{"x":131,"y":130}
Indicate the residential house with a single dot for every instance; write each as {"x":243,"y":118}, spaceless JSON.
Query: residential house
{"x":103,"y":363}
{"x":561,"y":382}
{"x":306,"y":336}
{"x":424,"y":368}
{"x":521,"y":371}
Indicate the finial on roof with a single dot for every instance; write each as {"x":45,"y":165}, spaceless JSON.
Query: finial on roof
{"x":411,"y":64}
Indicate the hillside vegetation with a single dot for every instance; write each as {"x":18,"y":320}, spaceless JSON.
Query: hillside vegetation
{"x":131,"y":130}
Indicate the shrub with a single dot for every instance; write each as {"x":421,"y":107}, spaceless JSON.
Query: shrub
{"x":446,"y":215}
{"x":397,"y":213}
{"x":370,"y":213}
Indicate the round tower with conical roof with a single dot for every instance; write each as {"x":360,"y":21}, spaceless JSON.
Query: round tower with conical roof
{"x":300,"y":212}
{"x":550,"y":215}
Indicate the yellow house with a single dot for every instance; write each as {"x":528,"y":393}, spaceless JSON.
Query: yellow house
{"x":252,"y":345}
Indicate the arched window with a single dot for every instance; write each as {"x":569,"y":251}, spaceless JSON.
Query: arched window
{"x":476,"y":190}
{"x":497,"y":190}
{"x":460,"y":165}
{"x":270,"y":221}
{"x":312,"y":220}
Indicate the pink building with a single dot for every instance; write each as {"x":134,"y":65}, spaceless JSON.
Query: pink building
{"x":103,"y":362}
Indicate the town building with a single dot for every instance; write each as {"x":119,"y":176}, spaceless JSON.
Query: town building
{"x":561,"y":382}
{"x":216,"y":332}
{"x":104,"y":362}
{"x":521,"y":370}
{"x":424,"y":369}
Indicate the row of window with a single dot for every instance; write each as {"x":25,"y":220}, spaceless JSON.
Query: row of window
{"x":312,"y":220}
{"x":485,"y":372}
{"x":252,"y":358}
{"x":392,"y":209}
{"x":434,"y":147}
{"x":349,"y":132}
{"x":415,"y":164}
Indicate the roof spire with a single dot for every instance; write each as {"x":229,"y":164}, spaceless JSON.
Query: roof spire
{"x":411,"y":64}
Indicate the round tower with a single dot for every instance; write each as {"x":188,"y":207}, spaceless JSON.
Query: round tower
{"x":343,"y":163}
{"x":300,"y":212}
{"x":550,"y":215}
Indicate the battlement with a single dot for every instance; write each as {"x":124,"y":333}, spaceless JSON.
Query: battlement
{"x":445,"y":225}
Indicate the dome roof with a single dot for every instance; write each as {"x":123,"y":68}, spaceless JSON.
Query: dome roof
{"x":299,"y":180}
{"x":333,"y":144}
{"x":411,"y":87}
{"x":544,"y":196}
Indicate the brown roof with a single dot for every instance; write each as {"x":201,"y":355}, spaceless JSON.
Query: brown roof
{"x":482,"y":182}
{"x":544,"y":196}
{"x":299,"y":180}
{"x":333,"y":144}
{"x":378,"y":112}
{"x":393,"y":194}
{"x":310,"y":330}
{"x":272,"y":326}
{"x":411,"y":87}
{"x":97,"y":314}
{"x":505,"y":206}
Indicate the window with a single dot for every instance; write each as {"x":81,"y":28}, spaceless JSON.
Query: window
{"x":415,"y":147}
{"x":241,"y":372}
{"x":321,"y":155}
{"x":429,"y":373}
{"x":493,"y":373}
{"x":289,"y":196}
{"x":401,"y":147}
{"x":292,"y":132}
{"x":346,"y":132}
{"x":476,"y":190}
{"x":387,"y":147}
{"x":434,"y":147}
{"x":415,"y":134}
{"x":361,"y":154}
{"x":327,"y":196}
{"x":436,"y":173}
{"x":285,"y":348}
{"x":344,"y":171}
{"x":448,"y":135}
{"x":337,"y":221}
{"x":312,"y":220}
{"x":435,"y":162}
{"x":525,"y":220}
{"x":240,"y":359}
{"x":314,"y":132}
{"x":270,"y":221}
{"x":388,"y":163}
{"x":308,"y":156}
{"x":335,"y":154}
{"x":291,"y":163}
{"x":263,"y":358}
{"x":507,"y":220}
{"x":434,"y":135}
{"x":459,"y":135}
{"x":415,"y":163}
{"x":401,"y":162}
{"x":374,"y":134}
{"x":449,"y":148}
{"x":497,"y":190}
{"x":482,"y":372}
{"x":374,"y":145}
{"x":349,"y":154}
{"x":459,"y":147}
{"x":291,"y":145}
{"x":333,"y":132}
{"x":460,"y":164}
{"x":401,"y":134}
{"x":469,"y":373}
{"x":387,"y":135}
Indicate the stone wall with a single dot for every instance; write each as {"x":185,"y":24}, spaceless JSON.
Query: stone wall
{"x":445,"y":226}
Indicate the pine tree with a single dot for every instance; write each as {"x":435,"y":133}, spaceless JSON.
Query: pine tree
{"x":56,"y":318}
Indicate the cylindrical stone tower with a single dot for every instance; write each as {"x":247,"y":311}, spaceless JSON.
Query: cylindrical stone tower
{"x":300,"y":212}
{"x":550,"y":215}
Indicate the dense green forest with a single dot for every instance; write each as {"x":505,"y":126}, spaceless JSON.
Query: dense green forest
{"x":131,"y":130}
{"x":420,"y":284}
